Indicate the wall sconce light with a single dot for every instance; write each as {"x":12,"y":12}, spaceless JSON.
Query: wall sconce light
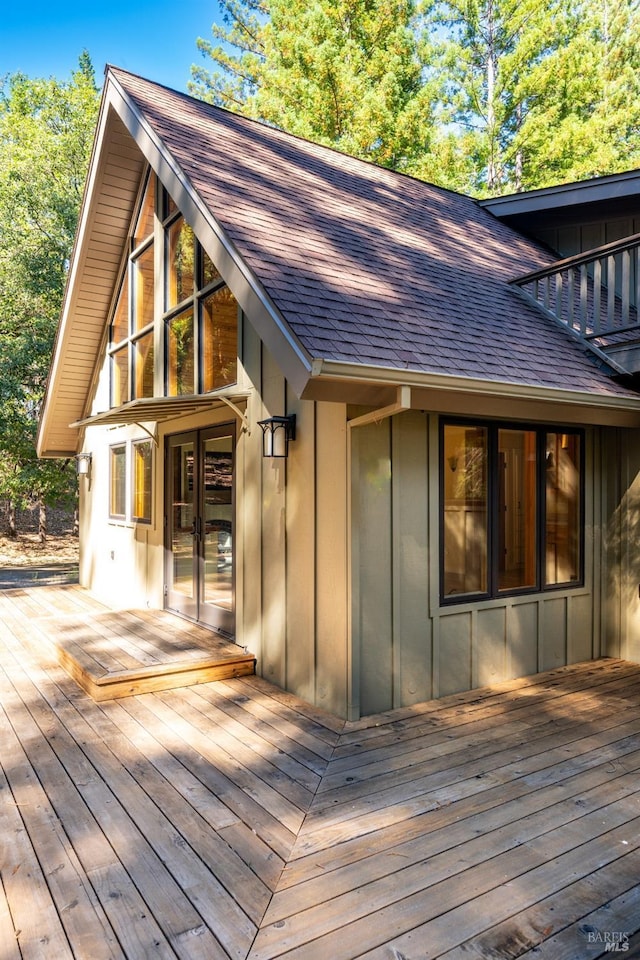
{"x":83,"y":464}
{"x":276,"y":433}
{"x":453,"y":463}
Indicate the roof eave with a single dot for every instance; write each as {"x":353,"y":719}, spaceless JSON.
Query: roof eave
{"x":265,"y":317}
{"x":442,"y":393}
{"x":595,"y":190}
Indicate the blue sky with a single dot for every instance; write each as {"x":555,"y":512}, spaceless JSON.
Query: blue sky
{"x":155,"y":38}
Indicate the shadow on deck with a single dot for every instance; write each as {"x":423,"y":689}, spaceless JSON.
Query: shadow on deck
{"x":234,"y":821}
{"x":122,"y":653}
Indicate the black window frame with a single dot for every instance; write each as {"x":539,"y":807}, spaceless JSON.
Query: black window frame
{"x":493,"y":427}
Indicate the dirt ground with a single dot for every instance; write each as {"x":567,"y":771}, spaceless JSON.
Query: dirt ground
{"x":26,"y":561}
{"x":27,"y":551}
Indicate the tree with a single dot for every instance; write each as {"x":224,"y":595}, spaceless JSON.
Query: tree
{"x":484,"y":96}
{"x":46,"y":133}
{"x":583,"y":118}
{"x":346,"y":73}
{"x":487,"y":50}
{"x":236,"y":77}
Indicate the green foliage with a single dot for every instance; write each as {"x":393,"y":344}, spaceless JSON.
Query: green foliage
{"x":484,"y":96}
{"x":237,"y":75}
{"x":583,"y":118}
{"x":346,"y":73}
{"x":46,"y":133}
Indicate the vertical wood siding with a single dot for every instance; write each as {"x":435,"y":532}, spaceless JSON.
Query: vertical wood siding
{"x":407,"y":647}
{"x":294,"y":541}
{"x":621,"y":544}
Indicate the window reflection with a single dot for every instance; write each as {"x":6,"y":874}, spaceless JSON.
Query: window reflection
{"x":562,"y":508}
{"x":511,"y":509}
{"x":144,"y":224}
{"x":197,"y":312}
{"x":517,"y":509}
{"x":143,"y":287}
{"x":118,"y":480}
{"x":465,"y":509}
{"x":181,"y":246}
{"x":181,"y":356}
{"x":120,"y":377}
{"x":219,"y":339}
{"x":142,"y":461}
{"x":144,"y":365}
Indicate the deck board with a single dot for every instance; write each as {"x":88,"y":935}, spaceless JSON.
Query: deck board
{"x":230,"y":821}
{"x":113,"y":654}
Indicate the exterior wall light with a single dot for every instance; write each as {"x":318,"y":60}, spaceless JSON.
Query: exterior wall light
{"x":83,"y":464}
{"x":276,"y":434}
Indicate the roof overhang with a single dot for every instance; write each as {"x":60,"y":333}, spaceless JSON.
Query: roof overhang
{"x":617,"y":186}
{"x":378,"y":387}
{"x":125,"y":143}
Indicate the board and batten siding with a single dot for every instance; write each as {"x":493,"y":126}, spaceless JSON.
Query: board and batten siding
{"x":292,"y":517}
{"x":621,"y":544}
{"x":408,"y":648}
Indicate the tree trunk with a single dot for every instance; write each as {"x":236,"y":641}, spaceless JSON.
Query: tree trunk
{"x":42,"y":521}
{"x":12,"y":530}
{"x":76,"y":522}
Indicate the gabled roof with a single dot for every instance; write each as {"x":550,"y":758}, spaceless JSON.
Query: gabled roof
{"x":348,"y":271}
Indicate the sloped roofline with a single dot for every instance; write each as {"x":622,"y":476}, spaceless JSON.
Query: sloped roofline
{"x":288,"y":352}
{"x":125,"y":142}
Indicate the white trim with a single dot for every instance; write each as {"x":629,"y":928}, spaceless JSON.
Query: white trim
{"x":443,"y":383}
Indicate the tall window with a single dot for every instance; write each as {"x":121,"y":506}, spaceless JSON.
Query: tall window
{"x":200,"y":314}
{"x":141,"y":454}
{"x":132,"y":354}
{"x":118,"y":481}
{"x":197,"y":311}
{"x":511,"y":509}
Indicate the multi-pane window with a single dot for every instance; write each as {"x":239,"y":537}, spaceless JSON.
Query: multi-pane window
{"x":200,"y":315}
{"x":189,"y":310}
{"x":511,"y":509}
{"x":118,"y":480}
{"x":142,"y":456}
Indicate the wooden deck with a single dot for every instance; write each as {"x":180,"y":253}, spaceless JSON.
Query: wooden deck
{"x":231,"y":820}
{"x":120,"y":653}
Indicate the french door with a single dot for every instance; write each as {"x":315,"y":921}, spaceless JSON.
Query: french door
{"x":200,"y":526}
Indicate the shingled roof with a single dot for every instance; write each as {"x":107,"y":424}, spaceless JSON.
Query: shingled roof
{"x":366,"y":265}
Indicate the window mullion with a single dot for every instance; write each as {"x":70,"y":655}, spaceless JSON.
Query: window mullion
{"x":160,"y":258}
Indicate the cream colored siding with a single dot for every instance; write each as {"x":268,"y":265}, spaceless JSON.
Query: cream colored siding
{"x":96,"y":264}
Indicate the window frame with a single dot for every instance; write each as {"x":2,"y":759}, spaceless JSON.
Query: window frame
{"x":135,"y":517}
{"x":493,"y":427}
{"x":194,"y":303}
{"x":128,"y":356}
{"x":113,"y":494}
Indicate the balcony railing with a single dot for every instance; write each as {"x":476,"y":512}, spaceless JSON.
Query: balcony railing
{"x":596,"y":296}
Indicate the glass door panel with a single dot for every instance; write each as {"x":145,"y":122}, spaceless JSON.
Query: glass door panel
{"x":181,"y":492}
{"x":200,"y":506}
{"x":217,"y":546}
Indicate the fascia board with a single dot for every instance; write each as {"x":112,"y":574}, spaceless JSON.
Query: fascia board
{"x":584,"y":192}
{"x":440,"y":384}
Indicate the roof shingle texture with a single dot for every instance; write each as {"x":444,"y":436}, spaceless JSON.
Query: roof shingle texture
{"x":366,"y":265}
